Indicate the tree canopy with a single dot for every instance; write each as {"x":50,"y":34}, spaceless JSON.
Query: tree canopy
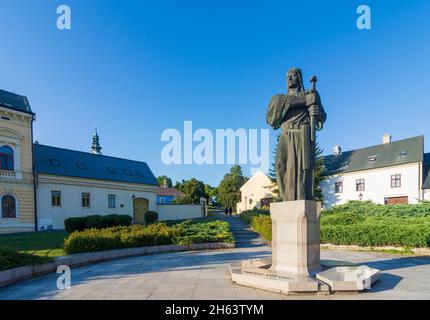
{"x":193,"y":190}
{"x":229,"y":187}
{"x":162,"y":179}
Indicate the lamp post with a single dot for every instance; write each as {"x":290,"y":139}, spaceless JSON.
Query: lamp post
{"x":133,"y":197}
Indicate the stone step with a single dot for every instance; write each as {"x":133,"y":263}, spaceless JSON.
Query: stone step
{"x":246,"y":235}
{"x":251,"y":241}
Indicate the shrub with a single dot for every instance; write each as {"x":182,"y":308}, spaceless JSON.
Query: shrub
{"x":12,"y":259}
{"x":263,"y":225}
{"x":248,"y":215}
{"x":186,"y":232}
{"x":96,"y":222}
{"x":203,"y":232}
{"x":99,"y":222}
{"x":364,"y":223}
{"x":121,"y":219}
{"x":150,"y":217}
{"x":75,"y":224}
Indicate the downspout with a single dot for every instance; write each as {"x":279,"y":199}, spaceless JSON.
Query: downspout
{"x":36,"y":227}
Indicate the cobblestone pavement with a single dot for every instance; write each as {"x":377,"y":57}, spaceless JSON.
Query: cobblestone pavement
{"x":204,"y":275}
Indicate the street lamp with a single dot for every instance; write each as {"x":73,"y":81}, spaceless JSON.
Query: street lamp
{"x":133,"y":197}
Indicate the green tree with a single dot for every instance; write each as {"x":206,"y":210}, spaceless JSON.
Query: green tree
{"x":229,"y":187}
{"x":193,"y":190}
{"x":211,"y":192}
{"x":319,"y":173}
{"x":162,"y":179}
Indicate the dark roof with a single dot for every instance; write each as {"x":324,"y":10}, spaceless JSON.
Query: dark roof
{"x":170,"y":192}
{"x":426,"y":171}
{"x":71,"y":163}
{"x":379,"y":156}
{"x":14,"y":101}
{"x":426,"y":158}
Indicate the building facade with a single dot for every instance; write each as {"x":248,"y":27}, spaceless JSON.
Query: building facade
{"x":257,"y":192}
{"x":41,"y":186}
{"x":166,"y":194}
{"x":16,"y":164}
{"x":389,"y":173}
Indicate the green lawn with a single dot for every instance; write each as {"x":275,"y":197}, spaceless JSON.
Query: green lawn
{"x":43,"y":243}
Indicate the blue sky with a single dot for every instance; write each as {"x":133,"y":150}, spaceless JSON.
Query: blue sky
{"x":135,"y":68}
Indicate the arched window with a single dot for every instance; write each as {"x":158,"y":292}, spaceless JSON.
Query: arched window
{"x":6,"y":158}
{"x":8,"y":206}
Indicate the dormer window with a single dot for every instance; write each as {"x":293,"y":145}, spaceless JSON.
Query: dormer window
{"x":139,"y":173}
{"x":128,"y":172}
{"x":81,"y":165}
{"x":372,"y":158}
{"x":111,"y":170}
{"x":6,"y":158}
{"x":55,"y":162}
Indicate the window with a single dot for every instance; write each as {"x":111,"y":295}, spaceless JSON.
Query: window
{"x":338,"y":187}
{"x":111,"y":201}
{"x":8,"y":206}
{"x":162,"y":200}
{"x":81,"y":165}
{"x":139,"y":173}
{"x":6,"y":158}
{"x":372,"y":158}
{"x":396,"y":181}
{"x":85,"y":200}
{"x":359,"y":185}
{"x":111,"y":170}
{"x":128,"y":172}
{"x":56,"y":198}
{"x":55,"y":162}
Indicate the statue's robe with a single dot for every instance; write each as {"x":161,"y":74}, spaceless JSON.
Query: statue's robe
{"x":295,"y":160}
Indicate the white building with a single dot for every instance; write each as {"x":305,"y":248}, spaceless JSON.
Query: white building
{"x":256,"y":192}
{"x":392,"y":172}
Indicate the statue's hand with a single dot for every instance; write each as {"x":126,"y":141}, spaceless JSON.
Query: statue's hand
{"x":312,"y":98}
{"x":314,"y":110}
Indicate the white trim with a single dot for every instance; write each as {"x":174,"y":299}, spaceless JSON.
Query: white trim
{"x":16,"y":149}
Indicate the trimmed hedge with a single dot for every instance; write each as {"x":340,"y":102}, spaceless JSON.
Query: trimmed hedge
{"x":187,"y":232}
{"x":365,"y":224}
{"x":263,"y":225}
{"x":96,"y":221}
{"x":150,"y":217}
{"x":248,"y":215}
{"x":12,"y":259}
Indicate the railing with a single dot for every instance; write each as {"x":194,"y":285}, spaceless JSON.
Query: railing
{"x":7,"y":173}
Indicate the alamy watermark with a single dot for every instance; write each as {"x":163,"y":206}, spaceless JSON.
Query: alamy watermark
{"x":226,"y":146}
{"x":364,"y":20}
{"x":64,"y":20}
{"x":64,"y":280}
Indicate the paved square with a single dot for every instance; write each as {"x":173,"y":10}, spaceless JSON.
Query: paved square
{"x":204,"y":275}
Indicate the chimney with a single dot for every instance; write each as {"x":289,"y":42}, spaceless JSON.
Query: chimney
{"x":337,"y":150}
{"x":386,"y":139}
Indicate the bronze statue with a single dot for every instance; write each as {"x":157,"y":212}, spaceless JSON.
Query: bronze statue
{"x":299,"y":113}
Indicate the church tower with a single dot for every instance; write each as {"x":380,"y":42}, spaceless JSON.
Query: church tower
{"x":95,"y":147}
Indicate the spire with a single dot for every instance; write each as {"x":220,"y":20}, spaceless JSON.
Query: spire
{"x":95,"y":147}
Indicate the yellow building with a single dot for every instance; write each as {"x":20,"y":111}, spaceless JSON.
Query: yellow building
{"x":17,"y":192}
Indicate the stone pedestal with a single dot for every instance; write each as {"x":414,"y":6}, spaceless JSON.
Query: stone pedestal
{"x":296,"y":237}
{"x":295,"y":266}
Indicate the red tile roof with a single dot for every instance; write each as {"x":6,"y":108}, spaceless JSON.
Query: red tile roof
{"x":169,"y":192}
